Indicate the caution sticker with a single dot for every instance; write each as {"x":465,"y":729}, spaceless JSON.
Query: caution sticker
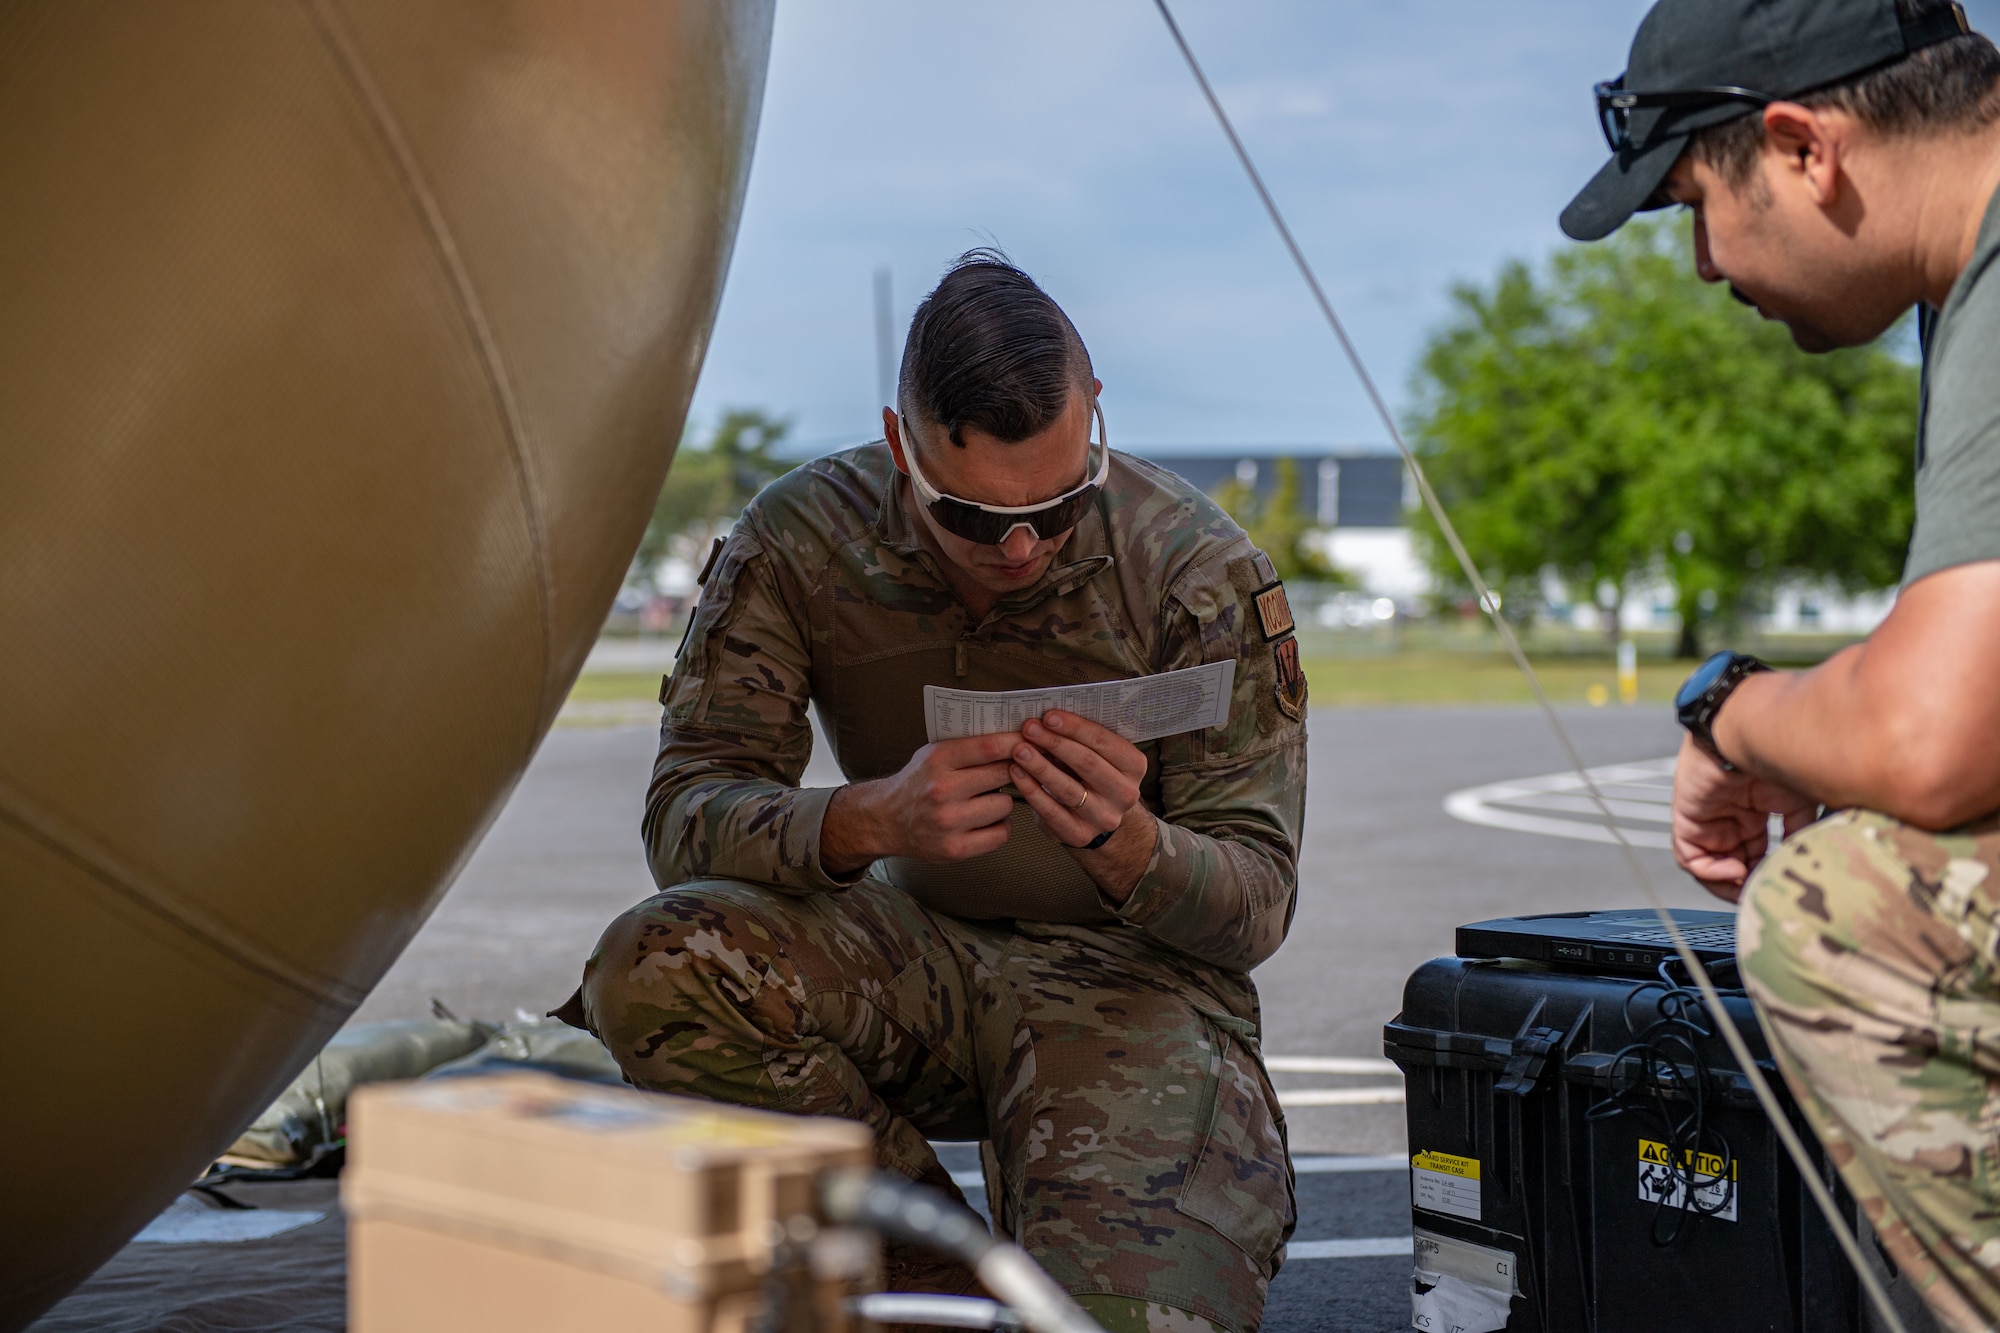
{"x":1441,"y":1183}
{"x":1659,"y":1182}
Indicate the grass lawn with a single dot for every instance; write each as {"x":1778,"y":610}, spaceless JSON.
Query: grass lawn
{"x":1416,"y":676}
{"x":616,"y":687}
{"x":1444,"y":677}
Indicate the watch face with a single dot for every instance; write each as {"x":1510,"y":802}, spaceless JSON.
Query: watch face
{"x":1704,"y":676}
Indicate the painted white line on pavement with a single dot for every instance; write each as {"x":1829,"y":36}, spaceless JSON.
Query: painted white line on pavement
{"x":1328,"y":1064}
{"x":1370,"y":1247}
{"x":1383,"y":1095}
{"x":1636,"y":792}
{"x":1319,"y":1165}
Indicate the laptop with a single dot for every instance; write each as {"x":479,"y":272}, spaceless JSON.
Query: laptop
{"x":1627,"y":943}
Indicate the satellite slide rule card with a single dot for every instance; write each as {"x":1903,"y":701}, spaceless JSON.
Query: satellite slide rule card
{"x":1143,"y":709}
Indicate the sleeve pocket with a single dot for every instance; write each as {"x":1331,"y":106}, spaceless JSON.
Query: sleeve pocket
{"x":687,"y":692}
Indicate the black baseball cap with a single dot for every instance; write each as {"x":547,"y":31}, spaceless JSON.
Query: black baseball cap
{"x":1697,"y":63}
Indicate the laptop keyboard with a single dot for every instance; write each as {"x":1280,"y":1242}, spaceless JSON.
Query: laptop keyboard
{"x":1721,"y":936}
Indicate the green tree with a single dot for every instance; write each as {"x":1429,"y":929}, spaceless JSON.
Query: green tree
{"x":710,"y":483}
{"x":1278,"y":525}
{"x":1614,"y":418}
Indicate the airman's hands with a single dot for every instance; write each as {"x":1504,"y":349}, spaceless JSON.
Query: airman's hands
{"x":1082,"y":781}
{"x":1080,"y":778}
{"x":945,"y":805}
{"x":1721,"y":820}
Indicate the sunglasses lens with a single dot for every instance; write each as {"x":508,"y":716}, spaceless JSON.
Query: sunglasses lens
{"x":1055,"y":522}
{"x":968,"y":523}
{"x":1614,"y":120}
{"x":974,"y":524}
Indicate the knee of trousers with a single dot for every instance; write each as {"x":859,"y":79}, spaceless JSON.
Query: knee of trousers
{"x":1827,"y":930}
{"x":693,"y":962}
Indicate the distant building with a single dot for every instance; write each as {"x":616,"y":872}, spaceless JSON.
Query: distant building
{"x":1337,"y":490}
{"x":1356,"y":500}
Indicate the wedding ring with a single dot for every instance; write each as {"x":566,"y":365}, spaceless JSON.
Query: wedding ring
{"x":1081,"y":803}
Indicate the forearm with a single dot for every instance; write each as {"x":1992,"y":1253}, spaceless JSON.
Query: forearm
{"x":1227,"y":901}
{"x":1860,"y":730}
{"x":705,"y":824}
{"x":1121,"y":862}
{"x":851,"y":835}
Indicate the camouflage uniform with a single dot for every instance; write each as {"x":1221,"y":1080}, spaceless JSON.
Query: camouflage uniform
{"x":1872,"y":950}
{"x":1112,"y":1066}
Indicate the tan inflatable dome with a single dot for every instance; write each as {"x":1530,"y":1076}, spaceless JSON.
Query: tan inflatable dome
{"x":343,"y":347}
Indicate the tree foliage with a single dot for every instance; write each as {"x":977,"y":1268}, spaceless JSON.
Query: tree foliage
{"x":1278,"y":524}
{"x":1614,"y":418}
{"x":709,"y":484}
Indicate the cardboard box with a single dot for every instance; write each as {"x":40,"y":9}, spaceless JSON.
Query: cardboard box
{"x":528,"y":1202}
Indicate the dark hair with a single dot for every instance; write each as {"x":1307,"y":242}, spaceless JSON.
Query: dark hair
{"x":1953,"y":85}
{"x":989,"y":348}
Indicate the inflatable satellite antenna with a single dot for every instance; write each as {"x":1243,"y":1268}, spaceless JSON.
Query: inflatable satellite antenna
{"x":346,"y":345}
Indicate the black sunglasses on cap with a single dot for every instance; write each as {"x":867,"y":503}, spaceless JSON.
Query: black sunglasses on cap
{"x":1615,"y":105}
{"x":990,"y":525}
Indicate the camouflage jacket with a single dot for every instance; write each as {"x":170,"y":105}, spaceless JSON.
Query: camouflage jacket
{"x":825,"y":594}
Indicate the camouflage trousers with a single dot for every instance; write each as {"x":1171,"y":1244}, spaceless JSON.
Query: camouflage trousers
{"x":1872,"y":952}
{"x":1137,"y":1142}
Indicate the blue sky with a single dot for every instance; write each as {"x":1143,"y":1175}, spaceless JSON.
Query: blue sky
{"x":1412,"y":144}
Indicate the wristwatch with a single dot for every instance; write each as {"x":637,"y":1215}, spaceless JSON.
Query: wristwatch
{"x":1702,"y":695}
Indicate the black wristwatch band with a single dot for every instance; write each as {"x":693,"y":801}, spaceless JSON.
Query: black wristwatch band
{"x":1702,"y":695}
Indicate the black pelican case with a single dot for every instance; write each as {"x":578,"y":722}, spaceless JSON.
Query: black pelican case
{"x":1527,"y":1168}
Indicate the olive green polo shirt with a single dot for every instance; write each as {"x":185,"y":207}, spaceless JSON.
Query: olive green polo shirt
{"x":1958,"y":439}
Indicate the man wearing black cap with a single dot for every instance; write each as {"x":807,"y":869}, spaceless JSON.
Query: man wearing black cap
{"x":1841,"y":159}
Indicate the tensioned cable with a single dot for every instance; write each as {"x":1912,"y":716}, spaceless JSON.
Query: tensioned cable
{"x":1780,"y":1123}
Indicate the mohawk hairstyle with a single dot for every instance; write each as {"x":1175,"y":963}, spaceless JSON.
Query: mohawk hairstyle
{"x":989,"y":348}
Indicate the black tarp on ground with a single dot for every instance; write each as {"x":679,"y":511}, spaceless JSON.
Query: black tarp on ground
{"x":295,"y":1282}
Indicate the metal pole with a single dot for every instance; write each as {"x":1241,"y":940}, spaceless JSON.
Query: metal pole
{"x":885,"y":342}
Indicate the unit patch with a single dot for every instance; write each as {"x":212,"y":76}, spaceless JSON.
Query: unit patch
{"x":1274,"y":613}
{"x":1291,"y":685}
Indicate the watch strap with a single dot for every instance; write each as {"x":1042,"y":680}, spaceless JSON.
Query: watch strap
{"x":1698,"y":715}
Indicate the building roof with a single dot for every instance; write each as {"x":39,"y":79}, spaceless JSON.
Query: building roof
{"x":1336,"y":490}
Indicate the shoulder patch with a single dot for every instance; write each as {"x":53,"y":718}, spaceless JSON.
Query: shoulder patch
{"x":1274,"y":612}
{"x":1291,"y":684}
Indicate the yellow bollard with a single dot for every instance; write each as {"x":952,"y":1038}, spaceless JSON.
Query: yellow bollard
{"x":1628,"y":672}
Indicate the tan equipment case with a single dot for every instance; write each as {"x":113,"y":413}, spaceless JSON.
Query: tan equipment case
{"x":528,"y":1202}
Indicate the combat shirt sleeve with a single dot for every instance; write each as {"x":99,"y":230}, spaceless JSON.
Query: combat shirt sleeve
{"x":1223,"y":879}
{"x":734,"y":739}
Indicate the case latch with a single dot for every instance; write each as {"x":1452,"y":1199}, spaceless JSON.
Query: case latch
{"x":1524,"y":1067}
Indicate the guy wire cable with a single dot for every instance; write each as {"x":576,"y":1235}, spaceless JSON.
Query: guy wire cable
{"x":1780,"y":1123}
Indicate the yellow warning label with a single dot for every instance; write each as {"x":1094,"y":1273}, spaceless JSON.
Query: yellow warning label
{"x":1706,"y":1165}
{"x":1466,"y":1168}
